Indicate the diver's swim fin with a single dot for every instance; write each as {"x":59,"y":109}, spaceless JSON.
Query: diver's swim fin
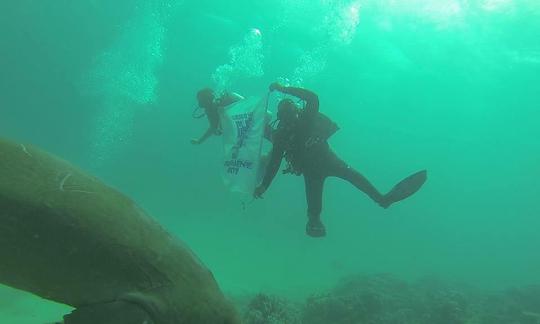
{"x":118,"y":312}
{"x":405,"y":188}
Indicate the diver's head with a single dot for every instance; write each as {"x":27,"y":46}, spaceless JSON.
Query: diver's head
{"x":287,"y":111}
{"x":205,"y":97}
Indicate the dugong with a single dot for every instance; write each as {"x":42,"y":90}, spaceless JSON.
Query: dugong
{"x":67,"y":237}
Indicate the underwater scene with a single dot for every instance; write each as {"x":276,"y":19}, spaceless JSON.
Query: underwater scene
{"x":270,"y":162}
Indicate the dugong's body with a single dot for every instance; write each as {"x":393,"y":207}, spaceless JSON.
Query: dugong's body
{"x":67,"y":237}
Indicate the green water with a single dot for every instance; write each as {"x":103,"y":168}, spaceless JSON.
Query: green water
{"x":452,"y":86}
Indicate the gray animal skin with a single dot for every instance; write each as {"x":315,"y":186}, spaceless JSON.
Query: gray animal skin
{"x":67,"y":237}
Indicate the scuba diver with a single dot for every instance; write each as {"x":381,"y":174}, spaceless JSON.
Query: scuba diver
{"x":213,"y":107}
{"x":301,"y":138}
{"x":211,"y":104}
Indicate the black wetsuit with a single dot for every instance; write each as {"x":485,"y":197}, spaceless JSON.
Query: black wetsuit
{"x":315,"y":161}
{"x":212,"y":112}
{"x":213,"y":119}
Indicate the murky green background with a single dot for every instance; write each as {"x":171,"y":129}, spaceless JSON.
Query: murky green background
{"x":452,"y":86}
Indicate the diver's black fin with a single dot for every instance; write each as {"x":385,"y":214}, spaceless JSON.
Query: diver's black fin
{"x":118,"y":312}
{"x":406,"y":187}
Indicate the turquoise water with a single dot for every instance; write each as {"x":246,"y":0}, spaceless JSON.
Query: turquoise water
{"x":446,"y":85}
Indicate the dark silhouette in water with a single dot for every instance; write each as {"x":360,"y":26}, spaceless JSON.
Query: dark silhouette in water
{"x":211,"y":104}
{"x":301,"y":138}
{"x":67,"y":237}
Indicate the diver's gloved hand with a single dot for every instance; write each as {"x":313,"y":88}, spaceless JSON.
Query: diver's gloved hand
{"x":195,"y":141}
{"x":275,"y":86}
{"x":259,"y":191}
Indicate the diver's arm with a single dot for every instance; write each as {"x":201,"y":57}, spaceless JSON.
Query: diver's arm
{"x":229,"y":98}
{"x":213,"y":120}
{"x":271,"y":171}
{"x":268,"y":132}
{"x":209,"y":132}
{"x":311,"y":99}
{"x":268,"y":129}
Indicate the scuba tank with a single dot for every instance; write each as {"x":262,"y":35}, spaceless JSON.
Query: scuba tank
{"x":321,"y":130}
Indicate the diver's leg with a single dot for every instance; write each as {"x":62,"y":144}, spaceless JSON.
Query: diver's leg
{"x":404,"y":189}
{"x":263,"y":164}
{"x":340,"y":169}
{"x":314,"y":190}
